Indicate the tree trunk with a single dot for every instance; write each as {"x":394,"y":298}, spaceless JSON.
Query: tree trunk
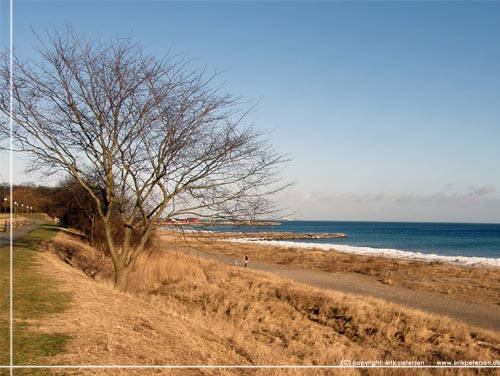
{"x":121,"y":276}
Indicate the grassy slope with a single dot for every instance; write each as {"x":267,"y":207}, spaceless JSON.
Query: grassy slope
{"x":288,"y":323}
{"x":35,"y":297}
{"x":257,"y":318}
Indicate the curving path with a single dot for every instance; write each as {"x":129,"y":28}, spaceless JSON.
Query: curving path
{"x":17,"y":233}
{"x":480,"y":315}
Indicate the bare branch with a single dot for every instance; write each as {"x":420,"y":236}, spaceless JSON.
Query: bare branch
{"x":145,"y":137}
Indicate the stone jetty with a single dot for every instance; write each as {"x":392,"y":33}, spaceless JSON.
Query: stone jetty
{"x":287,"y":236}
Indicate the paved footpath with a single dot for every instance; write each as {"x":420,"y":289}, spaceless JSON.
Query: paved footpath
{"x":17,"y":233}
{"x":480,"y":315}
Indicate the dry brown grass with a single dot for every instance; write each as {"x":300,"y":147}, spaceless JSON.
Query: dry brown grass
{"x":113,"y":328}
{"x":186,"y":310}
{"x":481,"y":285}
{"x":305,"y":325}
{"x":70,"y":246}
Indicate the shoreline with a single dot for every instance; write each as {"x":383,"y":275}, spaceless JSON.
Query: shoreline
{"x":292,"y":241}
{"x":466,"y":261}
{"x":471,"y":245}
{"x":282,"y":236}
{"x":474,"y":281}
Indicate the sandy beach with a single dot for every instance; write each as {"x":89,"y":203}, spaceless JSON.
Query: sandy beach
{"x":368,"y":251}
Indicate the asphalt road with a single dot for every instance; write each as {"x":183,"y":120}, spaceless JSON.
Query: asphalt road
{"x":17,"y":233}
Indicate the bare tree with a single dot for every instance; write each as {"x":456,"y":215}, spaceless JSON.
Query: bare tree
{"x":145,"y":137}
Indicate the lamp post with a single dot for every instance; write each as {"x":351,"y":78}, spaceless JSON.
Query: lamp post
{"x":5,"y":202}
{"x":14,"y":223}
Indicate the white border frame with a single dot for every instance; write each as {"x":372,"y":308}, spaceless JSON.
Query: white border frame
{"x":11,"y":365}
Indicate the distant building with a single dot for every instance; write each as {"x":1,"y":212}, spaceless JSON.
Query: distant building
{"x":181,"y":221}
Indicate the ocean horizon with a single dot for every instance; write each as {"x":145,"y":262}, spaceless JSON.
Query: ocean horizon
{"x":463,"y":243}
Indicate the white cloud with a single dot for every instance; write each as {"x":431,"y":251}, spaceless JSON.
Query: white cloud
{"x":486,"y":190}
{"x":448,"y":187}
{"x":472,"y":205}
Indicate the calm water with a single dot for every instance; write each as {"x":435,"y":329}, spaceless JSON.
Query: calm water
{"x":444,"y":239}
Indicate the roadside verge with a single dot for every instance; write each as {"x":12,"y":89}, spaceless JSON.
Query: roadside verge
{"x":35,"y":297}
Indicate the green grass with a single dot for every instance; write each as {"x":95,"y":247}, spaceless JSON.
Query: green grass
{"x":35,"y":297}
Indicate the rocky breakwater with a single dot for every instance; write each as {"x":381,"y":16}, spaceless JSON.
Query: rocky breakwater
{"x":290,"y":236}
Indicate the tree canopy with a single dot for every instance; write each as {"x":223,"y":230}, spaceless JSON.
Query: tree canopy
{"x":146,"y":137}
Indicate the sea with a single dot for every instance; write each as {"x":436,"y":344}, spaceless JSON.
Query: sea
{"x":459,"y":243}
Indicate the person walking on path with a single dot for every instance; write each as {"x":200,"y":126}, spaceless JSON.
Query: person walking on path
{"x":246,"y":261}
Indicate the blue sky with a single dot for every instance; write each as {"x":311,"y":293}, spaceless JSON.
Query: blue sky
{"x":388,"y":110}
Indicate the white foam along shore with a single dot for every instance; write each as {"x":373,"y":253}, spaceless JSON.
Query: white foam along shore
{"x":483,"y":262}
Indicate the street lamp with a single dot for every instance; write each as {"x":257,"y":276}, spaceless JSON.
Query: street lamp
{"x":5,"y":201}
{"x":14,"y":222}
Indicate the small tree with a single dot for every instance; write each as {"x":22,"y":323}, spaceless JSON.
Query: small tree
{"x":145,"y":137}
